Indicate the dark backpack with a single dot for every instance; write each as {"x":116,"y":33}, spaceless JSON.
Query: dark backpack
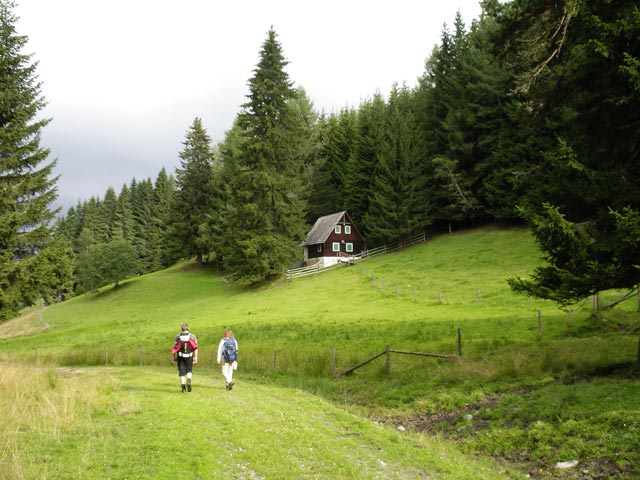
{"x":229,"y":351}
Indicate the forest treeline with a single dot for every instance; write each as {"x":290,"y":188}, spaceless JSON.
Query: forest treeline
{"x":532,"y":113}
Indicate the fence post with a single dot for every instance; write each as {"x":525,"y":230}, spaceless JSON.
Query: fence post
{"x":438,"y":294}
{"x":333,"y":363}
{"x":479,"y":297}
{"x":459,"y":342}
{"x":275,"y":360}
{"x":388,"y":360}
{"x":539,"y":323}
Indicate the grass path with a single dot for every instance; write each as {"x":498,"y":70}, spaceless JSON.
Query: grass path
{"x":134,"y":423}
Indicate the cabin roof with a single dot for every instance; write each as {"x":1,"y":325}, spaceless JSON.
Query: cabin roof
{"x":323,"y":228}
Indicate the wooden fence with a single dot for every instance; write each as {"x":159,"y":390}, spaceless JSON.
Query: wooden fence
{"x":344,"y":259}
{"x":387,"y":353}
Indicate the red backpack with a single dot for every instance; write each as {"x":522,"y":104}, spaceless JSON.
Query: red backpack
{"x":185,"y":344}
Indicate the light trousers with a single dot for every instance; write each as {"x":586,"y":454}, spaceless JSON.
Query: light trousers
{"x":227,"y":371}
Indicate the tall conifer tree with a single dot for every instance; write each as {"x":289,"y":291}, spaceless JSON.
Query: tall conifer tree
{"x":193,"y":198}
{"x":396,"y":209}
{"x":264,"y":212}
{"x":27,"y":188}
{"x":164,"y":190}
{"x":363,"y":166}
{"x":337,"y":139}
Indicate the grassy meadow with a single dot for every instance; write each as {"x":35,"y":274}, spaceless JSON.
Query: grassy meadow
{"x":534,"y":386}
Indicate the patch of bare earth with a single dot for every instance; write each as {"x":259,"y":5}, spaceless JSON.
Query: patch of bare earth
{"x":446,"y":423}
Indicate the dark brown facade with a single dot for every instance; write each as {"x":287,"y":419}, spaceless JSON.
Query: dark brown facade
{"x":333,"y":236}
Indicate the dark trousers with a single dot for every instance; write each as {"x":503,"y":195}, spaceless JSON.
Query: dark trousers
{"x":185,"y":365}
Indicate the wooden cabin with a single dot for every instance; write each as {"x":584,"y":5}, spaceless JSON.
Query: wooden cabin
{"x":332,"y":237}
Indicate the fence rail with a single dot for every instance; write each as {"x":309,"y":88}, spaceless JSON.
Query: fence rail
{"x":387,"y":351}
{"x":344,"y":258}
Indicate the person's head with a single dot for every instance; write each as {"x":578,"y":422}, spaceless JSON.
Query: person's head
{"x":185,"y":327}
{"x":228,"y":333}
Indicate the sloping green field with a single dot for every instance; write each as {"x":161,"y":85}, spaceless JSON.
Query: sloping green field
{"x":391,"y":298}
{"x":290,"y":416}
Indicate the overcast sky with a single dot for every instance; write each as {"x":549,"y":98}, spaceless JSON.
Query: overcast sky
{"x":124,"y":79}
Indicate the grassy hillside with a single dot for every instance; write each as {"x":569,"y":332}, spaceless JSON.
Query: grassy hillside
{"x":520,"y":390}
{"x":358,"y":303}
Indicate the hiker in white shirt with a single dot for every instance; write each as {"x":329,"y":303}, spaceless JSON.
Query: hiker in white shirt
{"x":228,"y":356}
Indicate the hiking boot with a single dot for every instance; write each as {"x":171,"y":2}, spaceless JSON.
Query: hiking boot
{"x":184,"y":388}
{"x":227,"y":386}
{"x":230,"y":385}
{"x":188,"y":386}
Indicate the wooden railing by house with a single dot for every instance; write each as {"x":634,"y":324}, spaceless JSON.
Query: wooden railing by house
{"x":345,"y":258}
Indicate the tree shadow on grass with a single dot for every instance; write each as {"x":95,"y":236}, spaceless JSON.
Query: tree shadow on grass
{"x":108,"y":291}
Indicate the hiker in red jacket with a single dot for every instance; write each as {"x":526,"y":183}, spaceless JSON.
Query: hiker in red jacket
{"x":185,"y":353}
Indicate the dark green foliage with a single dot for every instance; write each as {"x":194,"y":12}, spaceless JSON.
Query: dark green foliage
{"x":337,"y":145}
{"x":123,"y":221}
{"x":163,"y":190}
{"x":362,"y":167}
{"x":105,"y":263}
{"x":584,"y":259}
{"x":265,"y":194}
{"x":535,"y":107}
{"x":583,"y":109}
{"x":138,"y":217}
{"x":26,"y":186}
{"x":194,"y":193}
{"x":449,"y":126}
{"x":397,"y":208}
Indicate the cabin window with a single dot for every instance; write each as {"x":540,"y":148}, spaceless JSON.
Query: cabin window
{"x":347,"y":230}
{"x":349,"y":247}
{"x":335,"y":246}
{"x":338,"y":229}
{"x":319,"y":249}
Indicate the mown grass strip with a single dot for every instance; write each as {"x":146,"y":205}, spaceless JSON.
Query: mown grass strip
{"x":135,"y":423}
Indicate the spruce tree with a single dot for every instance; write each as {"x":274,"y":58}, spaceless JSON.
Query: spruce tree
{"x":265,"y":207}
{"x":337,"y":144}
{"x":195,"y":190}
{"x":123,"y":218}
{"x":396,"y":209}
{"x":164,"y":190}
{"x":27,"y":188}
{"x":144,"y":225}
{"x":363,"y":166}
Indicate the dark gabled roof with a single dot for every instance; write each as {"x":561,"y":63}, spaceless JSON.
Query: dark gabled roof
{"x":323,"y":228}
